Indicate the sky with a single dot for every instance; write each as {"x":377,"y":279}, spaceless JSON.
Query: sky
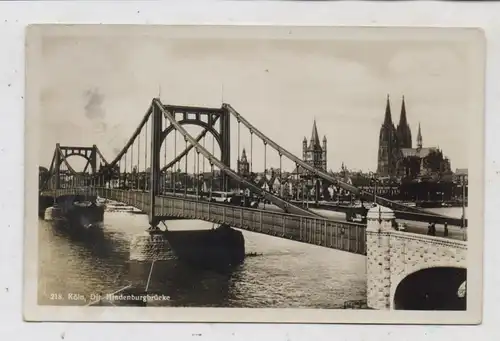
{"x":95,"y":90}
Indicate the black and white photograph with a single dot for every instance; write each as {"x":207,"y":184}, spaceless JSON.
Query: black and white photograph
{"x":254,"y":174}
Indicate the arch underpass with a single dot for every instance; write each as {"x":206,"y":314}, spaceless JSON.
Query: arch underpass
{"x":434,"y":288}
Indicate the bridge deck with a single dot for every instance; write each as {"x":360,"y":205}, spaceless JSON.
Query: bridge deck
{"x":321,"y":231}
{"x":402,"y":215}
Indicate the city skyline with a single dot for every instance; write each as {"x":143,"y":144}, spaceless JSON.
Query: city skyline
{"x":334,"y":83}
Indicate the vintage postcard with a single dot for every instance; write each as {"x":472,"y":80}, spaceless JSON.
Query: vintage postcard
{"x":254,"y":174}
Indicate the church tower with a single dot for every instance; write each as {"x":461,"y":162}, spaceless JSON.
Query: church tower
{"x":304,"y":148}
{"x":243,"y":165}
{"x":388,"y":150}
{"x":315,"y":153}
{"x":403,"y":130}
{"x":419,"y":137}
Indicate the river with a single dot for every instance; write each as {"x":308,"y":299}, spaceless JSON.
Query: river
{"x":284,"y":273}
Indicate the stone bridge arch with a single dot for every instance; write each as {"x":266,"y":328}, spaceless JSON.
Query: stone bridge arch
{"x":403,"y":265}
{"x":432,"y":288}
{"x":414,"y":257}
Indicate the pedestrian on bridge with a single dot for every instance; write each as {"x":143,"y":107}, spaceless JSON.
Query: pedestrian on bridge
{"x":433,"y":229}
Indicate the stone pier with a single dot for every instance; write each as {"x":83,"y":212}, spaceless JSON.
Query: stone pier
{"x":412,"y":271}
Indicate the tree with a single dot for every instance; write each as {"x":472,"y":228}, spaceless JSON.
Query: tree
{"x":411,"y":166}
{"x":326,"y":193}
{"x":433,"y":161}
{"x":43,"y":175}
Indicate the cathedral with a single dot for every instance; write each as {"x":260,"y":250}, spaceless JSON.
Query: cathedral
{"x":396,"y":155}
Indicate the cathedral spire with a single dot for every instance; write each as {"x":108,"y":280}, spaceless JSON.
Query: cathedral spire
{"x":402,"y":119}
{"x":419,"y":137}
{"x":314,"y":136}
{"x":388,"y":118}
{"x":403,"y":130}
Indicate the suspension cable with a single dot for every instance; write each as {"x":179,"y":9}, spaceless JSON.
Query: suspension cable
{"x":204,"y":137}
{"x":251,"y":151}
{"x":213,"y":171}
{"x":164,"y":181}
{"x":194,"y":167}
{"x":212,"y":179}
{"x":265,"y":158}
{"x":120,"y":173}
{"x":138,"y":160}
{"x":146,"y":157}
{"x":239,"y":139}
{"x":298,"y":180}
{"x":281,"y":175}
{"x":265,"y":170}
{"x":186,"y":170}
{"x":125,"y":170}
{"x":132,"y":165}
{"x":197,"y":174}
{"x":174,"y":173}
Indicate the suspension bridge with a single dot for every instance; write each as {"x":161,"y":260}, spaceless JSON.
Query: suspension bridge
{"x":165,"y":192}
{"x":400,"y":266}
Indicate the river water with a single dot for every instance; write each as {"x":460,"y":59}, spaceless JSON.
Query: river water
{"x":73,"y":269}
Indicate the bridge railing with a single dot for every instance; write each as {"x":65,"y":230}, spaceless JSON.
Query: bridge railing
{"x":333,"y":234}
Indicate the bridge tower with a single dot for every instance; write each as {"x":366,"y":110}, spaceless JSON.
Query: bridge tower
{"x":57,"y":167}
{"x":208,"y":119}
{"x":64,"y":152}
{"x":154,"y":179}
{"x":225,"y":132}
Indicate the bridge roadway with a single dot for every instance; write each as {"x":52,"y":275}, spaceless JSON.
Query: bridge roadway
{"x":412,"y":217}
{"x":400,"y":215}
{"x":415,"y":223}
{"x":337,"y":212}
{"x":344,"y":236}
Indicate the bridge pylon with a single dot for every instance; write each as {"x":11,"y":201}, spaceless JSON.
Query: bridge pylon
{"x":205,"y":118}
{"x":57,"y":167}
{"x":225,"y":132}
{"x":62,"y":153}
{"x":156,"y":141}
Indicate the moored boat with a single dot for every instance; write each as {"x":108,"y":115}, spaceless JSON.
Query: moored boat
{"x":121,"y":207}
{"x":54,"y":213}
{"x":218,"y":249}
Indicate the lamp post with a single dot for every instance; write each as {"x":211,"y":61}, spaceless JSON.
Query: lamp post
{"x":303,"y":191}
{"x":309,"y":188}
{"x":375,"y":183}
